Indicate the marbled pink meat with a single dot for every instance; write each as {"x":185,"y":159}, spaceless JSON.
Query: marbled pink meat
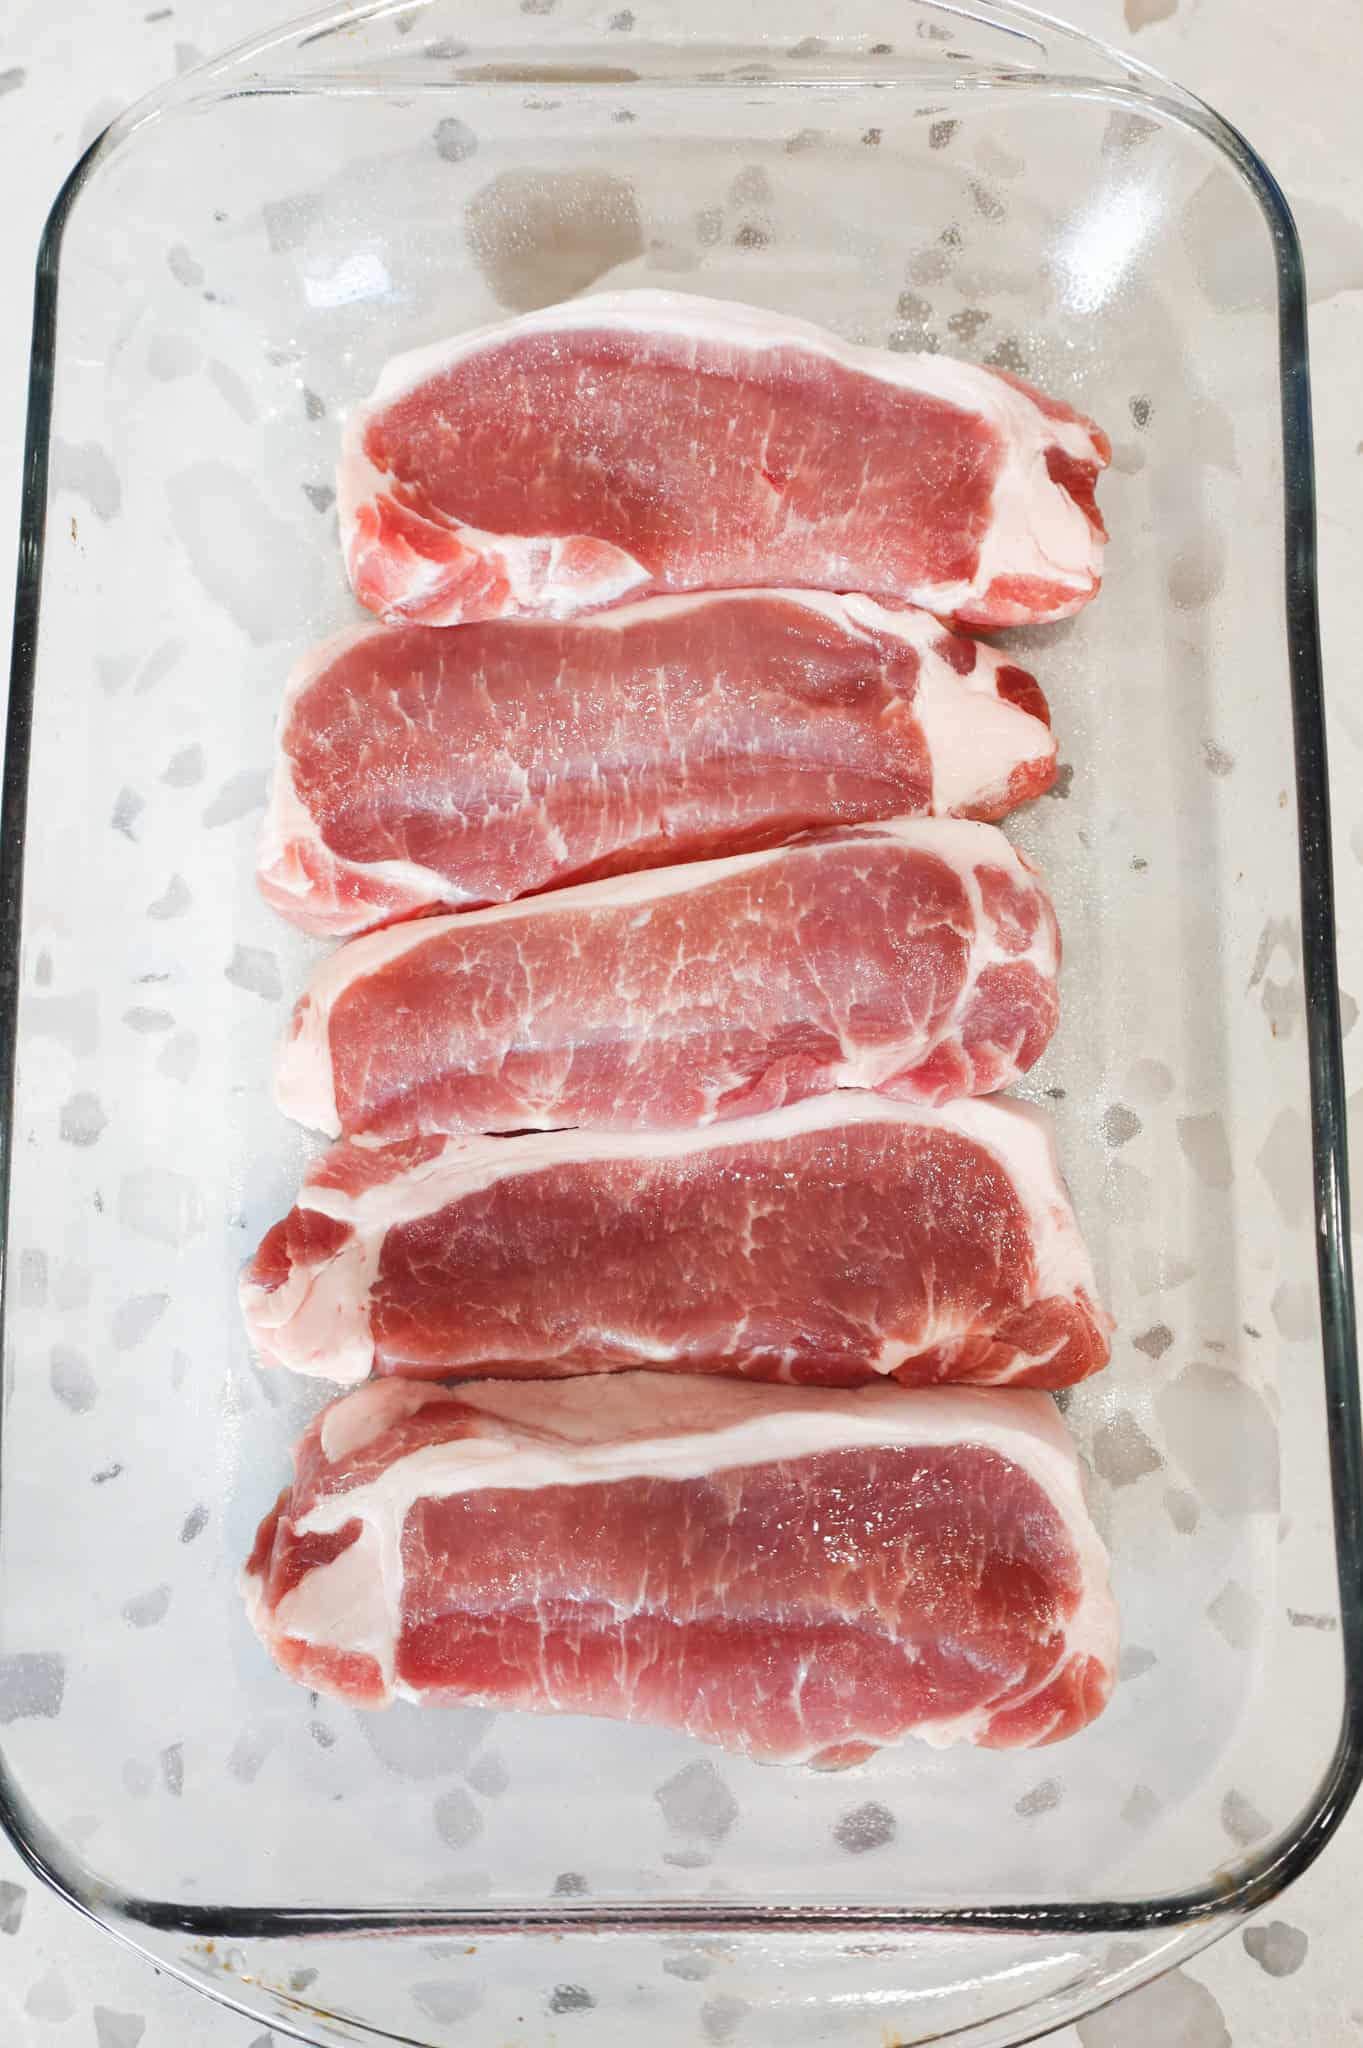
{"x":840,"y":1239}
{"x":800,"y":1576}
{"x":419,"y":769}
{"x":917,"y":958}
{"x":643,"y":442}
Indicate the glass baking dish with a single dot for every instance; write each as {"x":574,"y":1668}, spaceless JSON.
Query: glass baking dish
{"x":222,"y":276}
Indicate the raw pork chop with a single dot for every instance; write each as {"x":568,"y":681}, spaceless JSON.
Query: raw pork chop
{"x":639,"y":442}
{"x":803,"y":1576}
{"x":836,"y":1240}
{"x":918,"y":958}
{"x":418,"y":769}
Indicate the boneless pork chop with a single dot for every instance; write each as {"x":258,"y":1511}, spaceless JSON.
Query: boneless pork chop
{"x":803,"y":1576}
{"x":641,"y":442}
{"x":916,"y":957}
{"x":418,"y":769}
{"x":838,"y":1240}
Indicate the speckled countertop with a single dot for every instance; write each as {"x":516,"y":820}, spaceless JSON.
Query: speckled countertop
{"x":1288,"y":78}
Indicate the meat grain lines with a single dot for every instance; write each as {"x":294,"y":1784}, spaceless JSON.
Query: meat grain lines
{"x":423,"y":770}
{"x":919,"y":959}
{"x":636,"y":443}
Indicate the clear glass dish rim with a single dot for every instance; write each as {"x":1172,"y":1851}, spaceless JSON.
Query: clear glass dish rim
{"x":1255,"y":1879}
